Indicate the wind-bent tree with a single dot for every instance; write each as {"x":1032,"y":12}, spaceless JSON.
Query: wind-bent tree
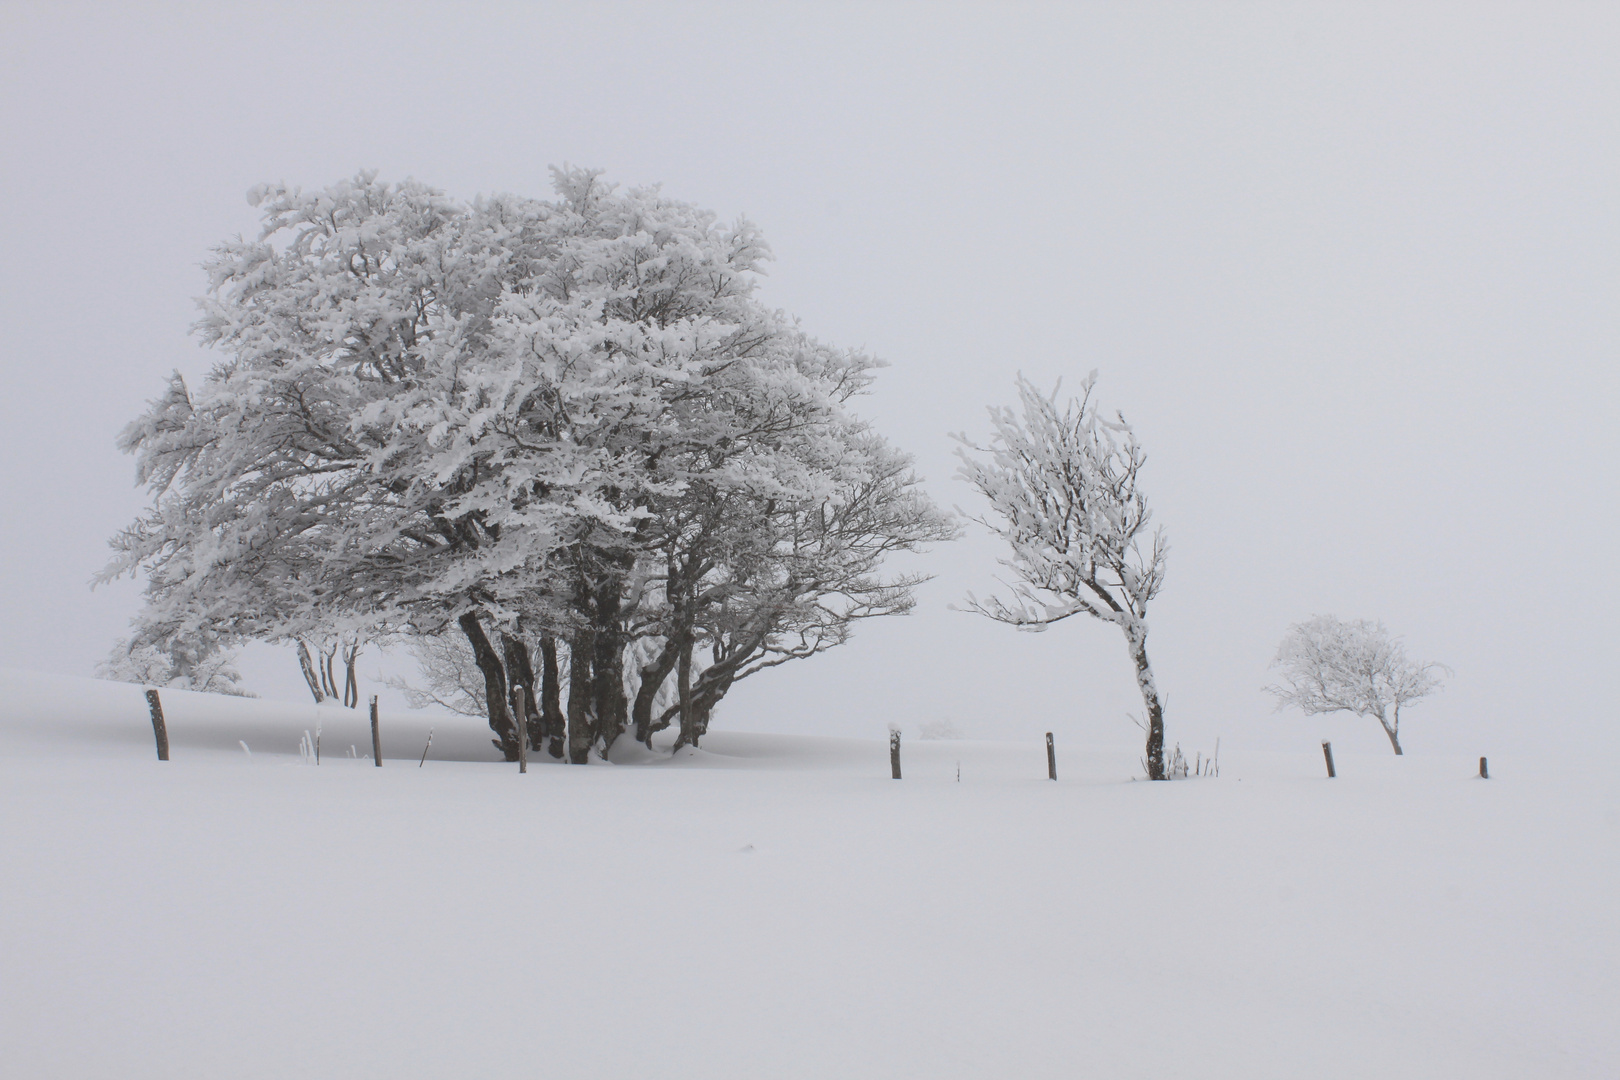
{"x":1330,"y":665}
{"x":1062,"y":489}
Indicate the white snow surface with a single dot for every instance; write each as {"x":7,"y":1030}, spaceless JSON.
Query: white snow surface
{"x":777,"y":906}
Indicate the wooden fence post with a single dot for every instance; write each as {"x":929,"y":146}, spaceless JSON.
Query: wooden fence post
{"x":894,"y":752}
{"x":159,"y":729}
{"x":376,"y":736}
{"x":1484,"y":773}
{"x":1051,"y":758}
{"x":1327,"y":752}
{"x":522,"y":731}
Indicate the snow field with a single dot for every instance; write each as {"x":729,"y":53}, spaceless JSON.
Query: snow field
{"x":776,"y":906}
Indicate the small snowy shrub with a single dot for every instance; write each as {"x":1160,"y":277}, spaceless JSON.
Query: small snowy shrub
{"x":181,"y":666}
{"x":1177,"y":766}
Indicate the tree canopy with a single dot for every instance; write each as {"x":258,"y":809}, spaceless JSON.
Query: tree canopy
{"x":563,"y":422}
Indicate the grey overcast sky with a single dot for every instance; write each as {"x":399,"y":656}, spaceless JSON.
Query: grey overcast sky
{"x":1352,"y":271}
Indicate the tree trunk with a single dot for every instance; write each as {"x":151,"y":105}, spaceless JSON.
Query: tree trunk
{"x":1389,"y":729}
{"x":551,"y":713}
{"x":612,"y":704}
{"x":652,"y":677}
{"x":711,"y":687}
{"x":328,"y":683}
{"x":520,"y":671}
{"x":581,"y":698}
{"x":1136,"y":638}
{"x":500,"y":715}
{"x":683,"y":688}
{"x":351,"y":684}
{"x":306,"y":664}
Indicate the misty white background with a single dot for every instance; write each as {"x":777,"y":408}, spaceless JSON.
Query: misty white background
{"x":1351,"y":271}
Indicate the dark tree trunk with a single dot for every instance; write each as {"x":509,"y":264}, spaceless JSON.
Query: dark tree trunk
{"x":683,"y":689}
{"x":520,"y":671}
{"x":711,"y":686}
{"x":1136,"y":638}
{"x":612,"y":705}
{"x":500,"y":716}
{"x":551,"y":713}
{"x":328,"y":683}
{"x":652,"y":677}
{"x":351,"y":684}
{"x":306,"y":664}
{"x":581,"y":697}
{"x":1390,"y":731}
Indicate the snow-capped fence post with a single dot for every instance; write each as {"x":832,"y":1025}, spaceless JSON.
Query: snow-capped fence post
{"x":1327,"y":752}
{"x":521,"y":729}
{"x":159,"y":729}
{"x":1051,"y":758}
{"x":1484,"y":773}
{"x":376,"y":736}
{"x":894,"y":752}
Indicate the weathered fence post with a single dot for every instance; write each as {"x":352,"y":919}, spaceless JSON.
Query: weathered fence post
{"x":894,"y":752}
{"x":522,"y":729}
{"x":376,"y":736}
{"x":1484,"y":773}
{"x":159,"y":729}
{"x":1051,"y":758}
{"x":1327,"y":752}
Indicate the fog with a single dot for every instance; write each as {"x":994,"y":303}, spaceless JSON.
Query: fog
{"x":1352,"y":273}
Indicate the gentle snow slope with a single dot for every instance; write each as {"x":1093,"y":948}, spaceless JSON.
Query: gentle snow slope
{"x":794,"y":913}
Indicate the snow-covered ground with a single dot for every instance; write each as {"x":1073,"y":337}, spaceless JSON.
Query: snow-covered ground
{"x":776,"y":906}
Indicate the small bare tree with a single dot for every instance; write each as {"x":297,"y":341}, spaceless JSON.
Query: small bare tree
{"x":1329,"y":665}
{"x":1062,"y":491}
{"x":450,"y":676}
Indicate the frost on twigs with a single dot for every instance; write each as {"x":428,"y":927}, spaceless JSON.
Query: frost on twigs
{"x":565,"y":429}
{"x":184,"y":664}
{"x":1062,"y":491}
{"x":1333,"y":665}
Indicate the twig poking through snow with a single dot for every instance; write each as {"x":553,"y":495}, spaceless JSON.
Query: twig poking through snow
{"x":423,"y":762}
{"x":245,"y":748}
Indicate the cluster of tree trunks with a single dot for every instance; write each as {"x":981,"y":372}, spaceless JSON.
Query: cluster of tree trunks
{"x":598,"y":709}
{"x":321,"y":676}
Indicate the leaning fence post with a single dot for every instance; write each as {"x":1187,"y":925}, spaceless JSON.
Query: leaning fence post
{"x":1327,"y":752}
{"x":894,"y":752}
{"x":159,"y":729}
{"x":376,"y":737}
{"x":1484,"y":773}
{"x":1051,"y":758}
{"x":522,"y":732}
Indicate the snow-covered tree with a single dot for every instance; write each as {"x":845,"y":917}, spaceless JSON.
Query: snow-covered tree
{"x":1063,"y":494}
{"x":1331,"y":665}
{"x":449,"y":676}
{"x":182,"y":667}
{"x":511,"y":419}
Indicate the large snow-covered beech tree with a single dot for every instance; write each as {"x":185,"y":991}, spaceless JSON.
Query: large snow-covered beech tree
{"x":559,"y":426}
{"x":1332,"y":665}
{"x":1063,"y":494}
